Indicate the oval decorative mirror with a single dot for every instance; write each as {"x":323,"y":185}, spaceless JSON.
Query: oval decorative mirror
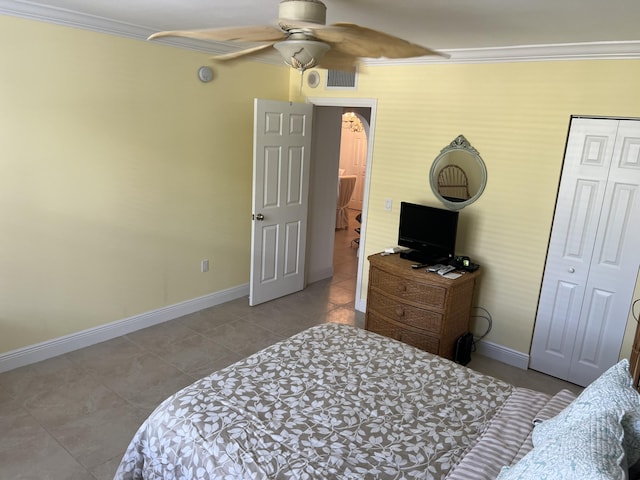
{"x":458,"y":175}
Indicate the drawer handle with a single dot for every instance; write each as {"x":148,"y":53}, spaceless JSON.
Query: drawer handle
{"x":400,"y":312}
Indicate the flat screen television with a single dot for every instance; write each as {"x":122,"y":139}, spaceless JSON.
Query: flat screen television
{"x":429,"y":233}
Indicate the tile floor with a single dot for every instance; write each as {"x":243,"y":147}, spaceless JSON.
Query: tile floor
{"x":71,"y":417}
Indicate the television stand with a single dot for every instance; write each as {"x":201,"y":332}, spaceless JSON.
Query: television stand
{"x":423,"y":309}
{"x":429,"y":258}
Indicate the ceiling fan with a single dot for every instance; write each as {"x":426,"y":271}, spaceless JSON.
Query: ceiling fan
{"x":305,"y":41}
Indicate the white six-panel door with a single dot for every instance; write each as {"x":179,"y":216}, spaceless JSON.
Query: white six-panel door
{"x":594,"y":252}
{"x":282,"y":141}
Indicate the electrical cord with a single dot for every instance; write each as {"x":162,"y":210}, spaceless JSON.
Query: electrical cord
{"x":486,"y":316}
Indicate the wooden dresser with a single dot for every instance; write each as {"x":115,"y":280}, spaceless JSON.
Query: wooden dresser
{"x":418,"y":307}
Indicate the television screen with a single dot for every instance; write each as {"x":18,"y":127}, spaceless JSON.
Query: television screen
{"x":428,"y":231}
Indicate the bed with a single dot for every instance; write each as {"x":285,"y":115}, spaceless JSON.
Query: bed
{"x":339,"y":402}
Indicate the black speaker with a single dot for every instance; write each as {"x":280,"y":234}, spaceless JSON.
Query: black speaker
{"x":464,"y":345}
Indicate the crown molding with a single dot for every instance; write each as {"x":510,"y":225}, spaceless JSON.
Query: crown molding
{"x":69,"y":18}
{"x":526,"y":53}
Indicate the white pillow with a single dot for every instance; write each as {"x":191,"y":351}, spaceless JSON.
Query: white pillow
{"x":613,"y":390}
{"x":595,"y":437}
{"x":589,"y":450}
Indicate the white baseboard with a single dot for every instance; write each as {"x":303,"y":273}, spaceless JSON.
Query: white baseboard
{"x":58,"y":346}
{"x":488,"y":349}
{"x":503,"y":354}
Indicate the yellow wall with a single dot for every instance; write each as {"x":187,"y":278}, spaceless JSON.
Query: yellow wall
{"x":119,"y":173}
{"x":517,"y":116}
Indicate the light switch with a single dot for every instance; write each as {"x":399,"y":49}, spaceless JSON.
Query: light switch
{"x":388,"y":204}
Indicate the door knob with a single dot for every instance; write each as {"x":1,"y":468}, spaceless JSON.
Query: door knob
{"x":572,"y":270}
{"x":259,"y":217}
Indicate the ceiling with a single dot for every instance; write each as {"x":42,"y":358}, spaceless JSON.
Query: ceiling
{"x":466,"y":29}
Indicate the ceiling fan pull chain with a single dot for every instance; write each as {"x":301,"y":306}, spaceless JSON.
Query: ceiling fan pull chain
{"x":301,"y":76}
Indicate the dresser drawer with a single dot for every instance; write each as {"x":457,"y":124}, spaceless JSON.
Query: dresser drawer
{"x":404,"y":313}
{"x":424,"y":310}
{"x":389,"y":329}
{"x":406,"y":289}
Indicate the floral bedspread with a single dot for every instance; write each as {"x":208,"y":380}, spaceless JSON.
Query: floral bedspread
{"x":333,"y":402}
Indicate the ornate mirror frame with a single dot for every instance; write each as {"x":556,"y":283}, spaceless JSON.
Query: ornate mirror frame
{"x":463,"y":162}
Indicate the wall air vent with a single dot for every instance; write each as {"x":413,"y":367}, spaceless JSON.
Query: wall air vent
{"x":338,"y":79}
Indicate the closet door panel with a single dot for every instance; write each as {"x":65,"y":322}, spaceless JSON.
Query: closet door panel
{"x":582,"y":188}
{"x":593,"y":247}
{"x":614,"y":265}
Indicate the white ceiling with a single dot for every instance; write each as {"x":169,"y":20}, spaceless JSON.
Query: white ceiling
{"x":539,"y":28}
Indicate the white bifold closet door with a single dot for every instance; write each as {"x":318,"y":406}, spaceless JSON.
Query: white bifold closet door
{"x":594,"y":252}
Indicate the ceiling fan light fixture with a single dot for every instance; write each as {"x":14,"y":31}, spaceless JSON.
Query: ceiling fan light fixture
{"x":301,"y":54}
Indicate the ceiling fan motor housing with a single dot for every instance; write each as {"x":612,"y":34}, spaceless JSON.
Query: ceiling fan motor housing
{"x":312,"y":11}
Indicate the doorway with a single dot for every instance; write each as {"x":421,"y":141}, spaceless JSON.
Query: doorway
{"x":351,"y":179}
{"x":325,"y":152}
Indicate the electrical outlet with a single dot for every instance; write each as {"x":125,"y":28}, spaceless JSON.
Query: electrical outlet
{"x":204,"y":266}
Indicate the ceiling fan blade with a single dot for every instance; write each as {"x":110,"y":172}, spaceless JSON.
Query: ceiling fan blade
{"x":360,"y":41}
{"x":336,"y":60}
{"x":258,"y":33}
{"x":242,"y":53}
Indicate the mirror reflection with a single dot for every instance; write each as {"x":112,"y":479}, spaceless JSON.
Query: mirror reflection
{"x":458,"y":175}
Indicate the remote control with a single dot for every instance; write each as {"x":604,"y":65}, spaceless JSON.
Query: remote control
{"x":435,"y":268}
{"x":419,"y":265}
{"x":446,"y":269}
